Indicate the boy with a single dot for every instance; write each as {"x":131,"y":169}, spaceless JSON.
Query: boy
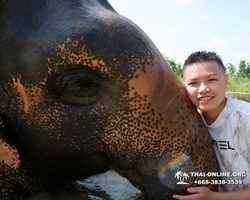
{"x":228,"y":122}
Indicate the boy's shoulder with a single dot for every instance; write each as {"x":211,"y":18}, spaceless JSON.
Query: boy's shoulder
{"x":238,"y":106}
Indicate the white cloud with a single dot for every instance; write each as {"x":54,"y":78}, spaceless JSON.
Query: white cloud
{"x":240,"y":55}
{"x":174,"y":29}
{"x":235,"y":38}
{"x":205,"y":44}
{"x":215,"y":41}
{"x":212,"y":42}
{"x":184,"y":1}
{"x":205,"y":16}
{"x":158,"y":1}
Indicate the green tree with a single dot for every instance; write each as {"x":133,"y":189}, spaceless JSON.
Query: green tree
{"x":244,"y":69}
{"x":248,"y":70}
{"x":176,"y":67}
{"x":230,"y":69}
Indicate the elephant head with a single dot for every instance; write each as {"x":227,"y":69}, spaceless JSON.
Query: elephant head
{"x":84,"y":90}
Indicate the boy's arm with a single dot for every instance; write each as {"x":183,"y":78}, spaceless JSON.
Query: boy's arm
{"x":206,"y":194}
{"x":243,"y":194}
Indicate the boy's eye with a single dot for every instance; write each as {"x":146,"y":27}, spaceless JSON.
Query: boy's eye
{"x":212,"y":79}
{"x":192,"y":83}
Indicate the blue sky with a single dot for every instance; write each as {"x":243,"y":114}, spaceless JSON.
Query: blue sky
{"x":180,"y":27}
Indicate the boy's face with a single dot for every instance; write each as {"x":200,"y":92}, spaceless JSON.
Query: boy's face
{"x":206,"y":83}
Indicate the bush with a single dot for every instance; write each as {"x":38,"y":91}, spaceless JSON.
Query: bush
{"x":238,"y":84}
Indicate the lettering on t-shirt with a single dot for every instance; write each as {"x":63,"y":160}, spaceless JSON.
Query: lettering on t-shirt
{"x":223,"y":145}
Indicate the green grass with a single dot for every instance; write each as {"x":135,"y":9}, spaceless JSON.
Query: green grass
{"x":235,"y":84}
{"x":238,"y":84}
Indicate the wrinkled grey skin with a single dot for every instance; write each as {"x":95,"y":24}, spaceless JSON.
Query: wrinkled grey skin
{"x":84,"y":90}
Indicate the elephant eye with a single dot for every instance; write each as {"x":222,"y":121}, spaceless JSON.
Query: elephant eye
{"x":80,"y":87}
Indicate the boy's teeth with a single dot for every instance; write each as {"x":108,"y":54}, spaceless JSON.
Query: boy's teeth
{"x":205,"y":98}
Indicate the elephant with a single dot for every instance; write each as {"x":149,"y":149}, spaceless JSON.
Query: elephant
{"x":84,"y":90}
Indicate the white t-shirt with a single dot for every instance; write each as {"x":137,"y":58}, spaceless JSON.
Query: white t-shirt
{"x":231,"y":141}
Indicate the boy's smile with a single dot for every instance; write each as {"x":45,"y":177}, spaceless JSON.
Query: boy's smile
{"x":205,"y":99}
{"x":206,"y":83}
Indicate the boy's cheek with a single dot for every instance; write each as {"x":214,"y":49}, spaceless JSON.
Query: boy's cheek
{"x":191,"y":92}
{"x":193,"y":97}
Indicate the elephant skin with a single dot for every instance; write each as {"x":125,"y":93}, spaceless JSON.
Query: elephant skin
{"x":83,"y":90}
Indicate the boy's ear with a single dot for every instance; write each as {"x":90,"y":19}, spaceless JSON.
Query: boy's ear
{"x":226,"y":79}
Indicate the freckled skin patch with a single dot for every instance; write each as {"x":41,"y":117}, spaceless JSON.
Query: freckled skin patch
{"x":8,"y":155}
{"x":23,"y":94}
{"x":9,"y":160}
{"x":85,"y":91}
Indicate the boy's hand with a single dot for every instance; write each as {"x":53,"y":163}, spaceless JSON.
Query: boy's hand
{"x":199,"y":193}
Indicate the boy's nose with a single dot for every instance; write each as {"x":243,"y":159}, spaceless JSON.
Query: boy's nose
{"x":204,"y":88}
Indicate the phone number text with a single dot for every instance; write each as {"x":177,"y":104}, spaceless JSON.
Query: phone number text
{"x":219,"y":182}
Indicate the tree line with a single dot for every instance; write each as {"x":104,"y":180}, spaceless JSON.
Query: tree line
{"x":243,"y":68}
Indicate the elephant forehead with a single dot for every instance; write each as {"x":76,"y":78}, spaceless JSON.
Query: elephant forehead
{"x":73,"y":54}
{"x":77,"y":53}
{"x":154,"y":83}
{"x":99,"y":39}
{"x":145,"y":78}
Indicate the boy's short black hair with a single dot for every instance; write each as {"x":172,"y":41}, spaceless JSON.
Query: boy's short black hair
{"x":202,"y":56}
